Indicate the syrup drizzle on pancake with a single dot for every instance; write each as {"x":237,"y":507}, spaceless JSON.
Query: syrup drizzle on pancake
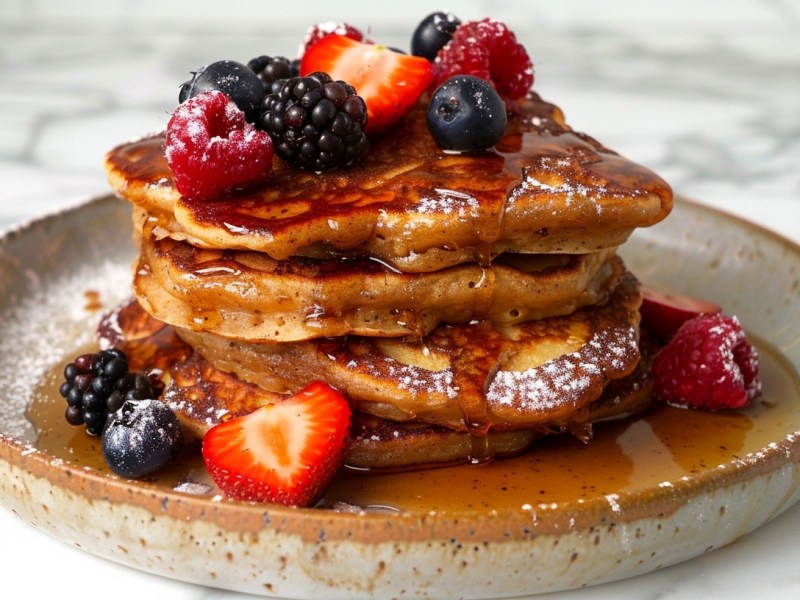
{"x":544,"y":188}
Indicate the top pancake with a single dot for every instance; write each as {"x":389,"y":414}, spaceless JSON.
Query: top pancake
{"x":543,"y":189}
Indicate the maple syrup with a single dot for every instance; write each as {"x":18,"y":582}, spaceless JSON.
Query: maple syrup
{"x":629,"y":455}
{"x":408,"y":197}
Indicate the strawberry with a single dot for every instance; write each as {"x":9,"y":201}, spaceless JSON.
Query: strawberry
{"x":285,"y":452}
{"x":389,"y":82}
{"x":707,"y":364}
{"x":662,"y":313}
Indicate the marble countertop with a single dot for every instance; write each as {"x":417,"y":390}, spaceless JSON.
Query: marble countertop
{"x":706,"y":94}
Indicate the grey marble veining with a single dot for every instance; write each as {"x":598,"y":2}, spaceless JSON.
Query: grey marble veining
{"x":705,"y":93}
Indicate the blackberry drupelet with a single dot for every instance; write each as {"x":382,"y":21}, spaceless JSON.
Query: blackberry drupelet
{"x":97,"y":384}
{"x":315,"y":123}
{"x":273,"y":70}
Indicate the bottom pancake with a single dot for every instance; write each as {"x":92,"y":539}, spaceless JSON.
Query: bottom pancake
{"x":202,"y":396}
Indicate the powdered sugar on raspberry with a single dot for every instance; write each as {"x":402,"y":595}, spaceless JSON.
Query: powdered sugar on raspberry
{"x":211,"y":148}
{"x":707,"y":364}
{"x":489,"y":50}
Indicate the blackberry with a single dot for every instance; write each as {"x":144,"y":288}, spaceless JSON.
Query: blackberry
{"x":274,"y":69}
{"x":98,"y":384}
{"x":315,"y":123}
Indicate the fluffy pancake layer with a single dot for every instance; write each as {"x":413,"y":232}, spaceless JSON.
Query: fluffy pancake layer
{"x":543,"y":189}
{"x":537,"y":374}
{"x":245,"y":295}
{"x":203,"y":395}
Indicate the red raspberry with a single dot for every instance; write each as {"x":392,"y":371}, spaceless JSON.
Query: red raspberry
{"x":211,"y":148}
{"x":316,"y":32}
{"x":489,"y":50}
{"x":707,"y":364}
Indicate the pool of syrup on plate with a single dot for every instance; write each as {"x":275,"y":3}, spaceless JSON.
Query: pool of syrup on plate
{"x":629,"y":455}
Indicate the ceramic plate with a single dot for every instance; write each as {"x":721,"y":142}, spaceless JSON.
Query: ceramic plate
{"x":644,"y":494}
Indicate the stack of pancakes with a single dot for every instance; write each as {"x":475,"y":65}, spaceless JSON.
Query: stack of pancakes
{"x":464,"y":304}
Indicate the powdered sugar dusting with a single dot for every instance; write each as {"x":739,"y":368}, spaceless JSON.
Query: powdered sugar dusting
{"x":45,"y":323}
{"x":568,"y":378}
{"x":48,"y":270}
{"x":450,"y":202}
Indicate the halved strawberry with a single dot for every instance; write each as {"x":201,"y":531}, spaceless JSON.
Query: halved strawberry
{"x":663,"y":314}
{"x":389,"y":82}
{"x":285,"y":453}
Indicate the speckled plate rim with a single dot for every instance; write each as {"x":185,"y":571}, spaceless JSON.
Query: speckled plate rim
{"x":452,"y":539}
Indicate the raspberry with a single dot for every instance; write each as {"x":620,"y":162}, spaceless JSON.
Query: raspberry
{"x":211,"y":148}
{"x":708,"y":364}
{"x":489,"y":50}
{"x":316,"y":32}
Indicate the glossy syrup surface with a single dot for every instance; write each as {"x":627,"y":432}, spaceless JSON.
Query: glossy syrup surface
{"x":631,"y":455}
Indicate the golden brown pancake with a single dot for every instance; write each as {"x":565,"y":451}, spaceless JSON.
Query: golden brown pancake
{"x":247,"y":295}
{"x":532,"y":375}
{"x":544,"y":189}
{"x":203,"y":396}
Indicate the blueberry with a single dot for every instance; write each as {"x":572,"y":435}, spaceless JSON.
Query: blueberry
{"x":233,"y":79}
{"x":141,"y":437}
{"x":433,"y":32}
{"x":466,"y":113}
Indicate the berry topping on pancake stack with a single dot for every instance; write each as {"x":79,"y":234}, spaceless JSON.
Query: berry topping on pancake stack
{"x":395,"y":260}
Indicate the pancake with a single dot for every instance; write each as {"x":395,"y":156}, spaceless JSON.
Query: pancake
{"x":536,"y":374}
{"x":202,"y":396}
{"x":250,"y":296}
{"x":544,"y":188}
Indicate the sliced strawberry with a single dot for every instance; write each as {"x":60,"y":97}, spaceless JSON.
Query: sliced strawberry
{"x":285,"y":453}
{"x":663,"y":314}
{"x":389,"y":82}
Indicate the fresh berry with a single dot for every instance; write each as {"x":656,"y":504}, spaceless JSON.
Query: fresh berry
{"x":271,"y":69}
{"x":489,"y":50}
{"x":285,"y":453}
{"x":97,"y":384}
{"x":315,"y":123}
{"x":322,"y":30}
{"x":663,"y":313}
{"x":433,"y":33}
{"x":141,"y":437}
{"x":231,"y":78}
{"x":708,"y":364}
{"x":211,"y":148}
{"x":389,"y":82}
{"x":466,"y":113}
